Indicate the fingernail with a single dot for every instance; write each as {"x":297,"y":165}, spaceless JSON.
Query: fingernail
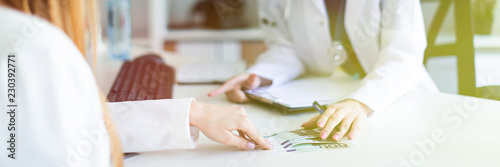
{"x":336,"y":137}
{"x":303,"y":125}
{"x":351,"y":136}
{"x":323,"y":135}
{"x":321,"y":124}
{"x":250,"y":145}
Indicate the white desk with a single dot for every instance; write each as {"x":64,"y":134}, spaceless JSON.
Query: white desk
{"x":388,"y":137}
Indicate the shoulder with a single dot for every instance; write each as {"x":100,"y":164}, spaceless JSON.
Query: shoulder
{"x":39,"y":44}
{"x":34,"y":37}
{"x":44,"y":54}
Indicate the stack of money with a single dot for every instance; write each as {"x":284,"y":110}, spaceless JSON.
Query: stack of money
{"x":303,"y":140}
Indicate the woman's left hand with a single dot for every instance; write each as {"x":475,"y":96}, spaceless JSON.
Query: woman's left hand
{"x":346,"y":116}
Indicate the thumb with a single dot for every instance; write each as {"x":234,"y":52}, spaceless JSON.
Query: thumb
{"x":252,"y":82}
{"x":311,"y":123}
{"x":239,"y":141}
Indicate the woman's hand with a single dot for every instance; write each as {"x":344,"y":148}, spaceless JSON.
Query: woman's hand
{"x":218,"y":122}
{"x":234,"y":87}
{"x":345,"y":116}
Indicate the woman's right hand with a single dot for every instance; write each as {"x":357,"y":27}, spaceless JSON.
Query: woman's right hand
{"x":218,"y":122}
{"x":234,"y":87}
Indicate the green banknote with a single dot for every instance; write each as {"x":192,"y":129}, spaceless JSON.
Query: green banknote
{"x":303,"y":140}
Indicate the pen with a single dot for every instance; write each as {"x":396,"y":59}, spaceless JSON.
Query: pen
{"x":318,"y":107}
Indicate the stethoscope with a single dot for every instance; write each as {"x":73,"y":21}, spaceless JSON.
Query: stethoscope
{"x":337,"y":51}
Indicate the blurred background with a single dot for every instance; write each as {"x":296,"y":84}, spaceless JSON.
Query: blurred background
{"x":193,"y":28}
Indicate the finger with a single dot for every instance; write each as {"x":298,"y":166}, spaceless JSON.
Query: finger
{"x":343,"y":127}
{"x":253,"y":134}
{"x":224,"y":88}
{"x":355,"y":128}
{"x":237,"y":96}
{"x":312,"y":123}
{"x":238,"y":141}
{"x":242,"y":134}
{"x":230,"y":84}
{"x":252,"y":82}
{"x":332,"y":122}
{"x":326,"y":115}
{"x":230,"y":96}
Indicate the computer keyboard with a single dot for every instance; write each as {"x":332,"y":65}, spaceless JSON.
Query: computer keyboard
{"x":145,"y":78}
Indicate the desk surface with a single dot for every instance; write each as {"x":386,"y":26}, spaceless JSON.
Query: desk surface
{"x":420,"y":129}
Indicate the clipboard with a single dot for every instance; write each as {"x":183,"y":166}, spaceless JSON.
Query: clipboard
{"x":300,"y":94}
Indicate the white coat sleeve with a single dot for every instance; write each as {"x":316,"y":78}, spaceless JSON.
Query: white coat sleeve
{"x":154,"y":124}
{"x":280,"y":62}
{"x":399,"y":65}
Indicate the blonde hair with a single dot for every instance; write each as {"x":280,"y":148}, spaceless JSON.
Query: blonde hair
{"x":74,"y":17}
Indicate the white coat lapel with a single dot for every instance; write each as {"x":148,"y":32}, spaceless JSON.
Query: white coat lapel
{"x":355,"y":28}
{"x":320,"y":6}
{"x":352,"y":15}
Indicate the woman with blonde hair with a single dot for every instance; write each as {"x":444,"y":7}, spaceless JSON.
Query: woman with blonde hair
{"x":56,"y":115}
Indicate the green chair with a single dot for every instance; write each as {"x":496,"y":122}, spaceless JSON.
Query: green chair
{"x":462,"y":48}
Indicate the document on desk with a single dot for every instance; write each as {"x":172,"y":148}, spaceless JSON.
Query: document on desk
{"x":300,"y":94}
{"x":303,"y":140}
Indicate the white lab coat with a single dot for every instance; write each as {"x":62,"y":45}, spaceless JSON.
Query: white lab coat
{"x":388,"y":37}
{"x":59,"y":120}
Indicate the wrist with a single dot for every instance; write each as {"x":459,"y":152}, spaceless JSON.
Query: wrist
{"x":195,"y":113}
{"x":361,"y":105}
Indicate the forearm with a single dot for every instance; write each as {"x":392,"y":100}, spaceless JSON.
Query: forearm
{"x":399,"y":67}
